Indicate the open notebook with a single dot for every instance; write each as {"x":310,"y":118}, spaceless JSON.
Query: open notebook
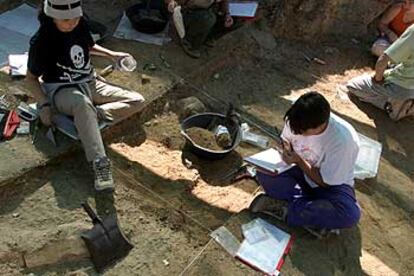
{"x":245,"y":9}
{"x":270,"y":160}
{"x":267,"y":254}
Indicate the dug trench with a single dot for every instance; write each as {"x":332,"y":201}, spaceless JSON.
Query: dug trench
{"x":168,"y":200}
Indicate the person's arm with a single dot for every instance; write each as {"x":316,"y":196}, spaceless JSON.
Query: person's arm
{"x":380,"y":67}
{"x":312,"y":172}
{"x":386,"y":19}
{"x":225,"y":11}
{"x":32,"y":84}
{"x":98,"y":50}
{"x":291,"y":157}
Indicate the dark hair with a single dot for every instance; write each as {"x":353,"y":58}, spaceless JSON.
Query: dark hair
{"x":42,"y":17}
{"x":310,"y":111}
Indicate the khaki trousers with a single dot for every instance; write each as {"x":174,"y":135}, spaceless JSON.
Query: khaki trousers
{"x":119,"y":103}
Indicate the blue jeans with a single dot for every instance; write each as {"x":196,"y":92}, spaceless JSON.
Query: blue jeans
{"x":334,"y":207}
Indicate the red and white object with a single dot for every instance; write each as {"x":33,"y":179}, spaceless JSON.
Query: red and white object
{"x":268,"y":253}
{"x":11,"y":125}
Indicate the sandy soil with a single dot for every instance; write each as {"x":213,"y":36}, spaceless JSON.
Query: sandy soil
{"x":204,"y":138}
{"x":168,"y":200}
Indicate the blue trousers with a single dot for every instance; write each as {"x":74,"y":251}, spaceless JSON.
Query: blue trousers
{"x":334,"y":207}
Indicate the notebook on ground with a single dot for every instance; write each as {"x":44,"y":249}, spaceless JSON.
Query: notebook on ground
{"x":243,"y":9}
{"x":270,"y":160}
{"x":267,"y":253}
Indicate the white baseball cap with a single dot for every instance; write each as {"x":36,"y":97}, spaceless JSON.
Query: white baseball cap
{"x":63,"y":9}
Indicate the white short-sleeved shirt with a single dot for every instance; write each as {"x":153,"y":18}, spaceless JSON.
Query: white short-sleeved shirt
{"x":334,"y":151}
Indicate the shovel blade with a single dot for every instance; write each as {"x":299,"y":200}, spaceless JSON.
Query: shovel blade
{"x":106,"y":243}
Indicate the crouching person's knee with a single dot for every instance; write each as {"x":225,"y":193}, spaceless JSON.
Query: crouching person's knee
{"x":82,"y":104}
{"x":359,"y":84}
{"x":353,"y":217}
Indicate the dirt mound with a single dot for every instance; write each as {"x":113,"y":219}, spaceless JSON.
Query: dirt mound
{"x":314,"y":19}
{"x":204,"y":138}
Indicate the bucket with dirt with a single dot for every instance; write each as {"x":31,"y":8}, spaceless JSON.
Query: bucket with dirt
{"x":202,"y":141}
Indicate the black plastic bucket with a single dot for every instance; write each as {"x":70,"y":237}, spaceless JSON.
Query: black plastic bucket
{"x":203,"y":120}
{"x":150,"y":21}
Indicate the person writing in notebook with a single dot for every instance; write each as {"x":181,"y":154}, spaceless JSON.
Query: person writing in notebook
{"x":318,"y":192}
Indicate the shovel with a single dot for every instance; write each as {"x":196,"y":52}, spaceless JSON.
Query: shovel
{"x":105,"y":241}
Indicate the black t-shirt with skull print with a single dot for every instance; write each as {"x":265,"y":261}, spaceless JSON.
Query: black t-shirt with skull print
{"x":61,"y":57}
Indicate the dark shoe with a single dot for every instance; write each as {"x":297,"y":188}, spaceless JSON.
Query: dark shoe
{"x":244,"y":172}
{"x":189,"y":50}
{"x":103,"y":174}
{"x":269,"y":206}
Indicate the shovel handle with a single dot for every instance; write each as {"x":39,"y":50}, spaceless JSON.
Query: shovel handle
{"x":91,"y":213}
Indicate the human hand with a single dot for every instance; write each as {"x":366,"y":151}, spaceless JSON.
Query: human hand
{"x":392,"y":37}
{"x":171,"y":6}
{"x":289,"y":155}
{"x":228,"y":21}
{"x":379,"y":79}
{"x":116,"y":56}
{"x":46,"y":115}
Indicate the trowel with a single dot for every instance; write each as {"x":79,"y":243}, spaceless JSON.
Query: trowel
{"x":51,"y":135}
{"x":105,"y":241}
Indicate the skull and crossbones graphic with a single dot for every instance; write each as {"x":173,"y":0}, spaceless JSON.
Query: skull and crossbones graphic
{"x":78,"y":57}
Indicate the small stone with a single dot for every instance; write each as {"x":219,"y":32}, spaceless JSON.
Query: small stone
{"x":147,"y":124}
{"x":190,"y":106}
{"x":166,"y":263}
{"x":16,"y":215}
{"x":167,"y":107}
{"x":216,"y":76}
{"x":145,"y":79}
{"x":167,"y":142}
{"x":188,"y":164}
{"x":355,"y":41}
{"x":331,"y":50}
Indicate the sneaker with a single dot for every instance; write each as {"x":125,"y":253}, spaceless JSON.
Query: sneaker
{"x":269,"y":206}
{"x":244,"y":172}
{"x":103,"y":175}
{"x":189,"y":50}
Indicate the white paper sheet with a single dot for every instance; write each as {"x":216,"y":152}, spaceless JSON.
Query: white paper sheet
{"x":18,"y":64}
{"x":126,"y":31}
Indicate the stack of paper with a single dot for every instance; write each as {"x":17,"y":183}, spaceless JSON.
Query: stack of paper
{"x":267,"y":253}
{"x":264,"y":247}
